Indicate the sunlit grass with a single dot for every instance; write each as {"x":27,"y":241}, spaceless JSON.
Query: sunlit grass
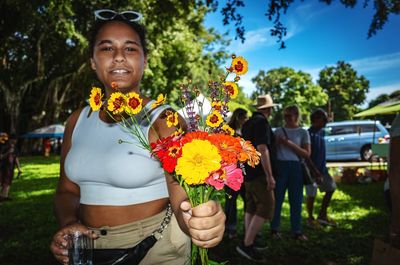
{"x":27,"y":224}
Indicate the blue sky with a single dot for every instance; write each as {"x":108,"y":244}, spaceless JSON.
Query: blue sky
{"x":318,"y":35}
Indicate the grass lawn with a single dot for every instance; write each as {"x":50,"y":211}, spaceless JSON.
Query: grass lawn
{"x":27,"y":224}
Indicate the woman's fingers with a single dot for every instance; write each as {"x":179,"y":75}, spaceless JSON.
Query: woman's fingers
{"x":207,"y":238}
{"x":207,"y":224}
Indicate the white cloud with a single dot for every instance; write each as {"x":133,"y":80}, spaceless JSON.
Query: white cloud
{"x":366,"y":66}
{"x":377,"y":63}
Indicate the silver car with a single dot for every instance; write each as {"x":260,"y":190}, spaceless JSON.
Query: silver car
{"x":351,"y":140}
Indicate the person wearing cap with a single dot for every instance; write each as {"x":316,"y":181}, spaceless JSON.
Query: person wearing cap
{"x":259,"y":181}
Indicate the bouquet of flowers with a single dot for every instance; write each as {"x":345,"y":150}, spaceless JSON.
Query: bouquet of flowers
{"x":205,"y":156}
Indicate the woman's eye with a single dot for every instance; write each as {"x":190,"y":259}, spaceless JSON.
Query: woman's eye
{"x":130,"y":49}
{"x":106,"y":49}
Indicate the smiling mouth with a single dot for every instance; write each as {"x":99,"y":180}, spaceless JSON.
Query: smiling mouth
{"x":120,"y":72}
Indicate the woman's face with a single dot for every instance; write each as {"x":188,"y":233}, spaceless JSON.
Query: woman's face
{"x":291,"y":119}
{"x":242,"y":119}
{"x":118,"y":57}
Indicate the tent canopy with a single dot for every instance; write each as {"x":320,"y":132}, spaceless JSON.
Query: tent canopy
{"x":388,"y":107}
{"x":51,"y":131}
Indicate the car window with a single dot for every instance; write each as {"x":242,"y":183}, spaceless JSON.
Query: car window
{"x":328,"y":130}
{"x":369,"y":128}
{"x":343,"y":129}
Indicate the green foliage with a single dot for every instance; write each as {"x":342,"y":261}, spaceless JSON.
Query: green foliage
{"x":27,"y":224}
{"x":45,"y":53}
{"x":277,"y":8}
{"x":346,"y":89}
{"x":287,"y":87}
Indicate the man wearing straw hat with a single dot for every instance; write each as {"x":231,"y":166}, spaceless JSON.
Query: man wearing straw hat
{"x":259,"y":181}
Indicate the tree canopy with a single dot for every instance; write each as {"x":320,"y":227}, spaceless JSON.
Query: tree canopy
{"x":346,"y":89}
{"x":287,"y":87}
{"x":44,"y":53}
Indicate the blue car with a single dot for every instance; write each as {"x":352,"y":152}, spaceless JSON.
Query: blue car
{"x":351,"y":140}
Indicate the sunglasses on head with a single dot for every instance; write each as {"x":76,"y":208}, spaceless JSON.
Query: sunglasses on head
{"x":108,"y":14}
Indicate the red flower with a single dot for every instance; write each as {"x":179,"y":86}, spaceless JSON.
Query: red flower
{"x":168,"y":150}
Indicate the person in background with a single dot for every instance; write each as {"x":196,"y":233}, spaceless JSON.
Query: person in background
{"x":46,"y":147}
{"x":394,"y":181}
{"x":118,"y":194}
{"x":319,"y":118}
{"x":9,"y":160}
{"x":259,"y":181}
{"x":238,"y":118}
{"x":293,"y":144}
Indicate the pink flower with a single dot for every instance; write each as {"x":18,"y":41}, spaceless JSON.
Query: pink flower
{"x":234,"y":177}
{"x":229,"y":175}
{"x":216,"y":179}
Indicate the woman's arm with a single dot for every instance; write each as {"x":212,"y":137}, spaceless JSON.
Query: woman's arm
{"x":66,"y":201}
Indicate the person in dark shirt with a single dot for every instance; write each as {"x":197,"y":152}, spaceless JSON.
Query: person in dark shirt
{"x":238,"y":118}
{"x":9,"y":160}
{"x":259,"y":181}
{"x":319,"y":118}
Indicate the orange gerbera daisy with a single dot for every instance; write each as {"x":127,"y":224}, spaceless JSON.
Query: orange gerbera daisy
{"x":133,"y":103}
{"x":199,"y":135}
{"x":214,"y":119}
{"x":231,"y":88}
{"x":239,"y":65}
{"x":248,"y":153}
{"x":116,"y":103}
{"x":229,"y":147}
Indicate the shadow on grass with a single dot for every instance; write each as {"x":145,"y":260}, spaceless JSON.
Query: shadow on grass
{"x":361,"y":214}
{"x":26,"y":232}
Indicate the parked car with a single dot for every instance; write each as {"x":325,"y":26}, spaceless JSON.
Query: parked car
{"x":351,"y":140}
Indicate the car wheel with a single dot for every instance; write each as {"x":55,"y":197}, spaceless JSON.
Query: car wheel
{"x":366,"y":153}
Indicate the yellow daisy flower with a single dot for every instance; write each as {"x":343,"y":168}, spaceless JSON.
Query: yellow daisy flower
{"x":160,"y":100}
{"x":231,"y":88}
{"x":95,"y":100}
{"x":172,"y":119}
{"x":179,"y":132}
{"x":214,"y":119}
{"x":133,"y":103}
{"x":217,"y":105}
{"x":239,"y":65}
{"x":116,"y":103}
{"x":199,"y":158}
{"x":227,"y":129}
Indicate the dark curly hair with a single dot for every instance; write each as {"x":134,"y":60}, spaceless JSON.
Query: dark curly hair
{"x":138,"y":28}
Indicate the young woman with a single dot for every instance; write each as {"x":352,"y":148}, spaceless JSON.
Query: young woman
{"x":118,"y":190}
{"x":293,"y":144}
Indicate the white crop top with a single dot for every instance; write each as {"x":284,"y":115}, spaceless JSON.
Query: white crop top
{"x":112,"y":173}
